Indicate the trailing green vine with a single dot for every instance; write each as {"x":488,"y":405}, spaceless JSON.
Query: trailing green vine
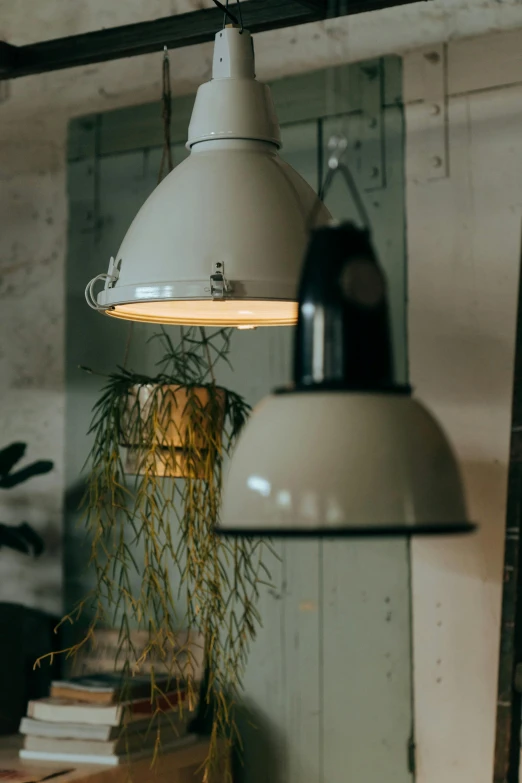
{"x":159,"y":567}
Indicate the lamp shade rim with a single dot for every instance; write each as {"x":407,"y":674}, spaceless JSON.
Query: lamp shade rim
{"x":354,"y":531}
{"x":355,"y":464}
{"x":340,"y":386}
{"x":195,"y":290}
{"x":258,"y":305}
{"x":229,"y":223}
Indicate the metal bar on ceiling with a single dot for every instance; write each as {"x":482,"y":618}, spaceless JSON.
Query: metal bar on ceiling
{"x":314,"y":5}
{"x":174,"y":32}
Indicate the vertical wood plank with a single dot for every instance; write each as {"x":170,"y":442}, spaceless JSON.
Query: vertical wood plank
{"x":303,"y":716}
{"x":262,"y":714}
{"x":283,"y":677}
{"x":366,"y":631}
{"x":366,"y":661}
{"x":303,"y":620}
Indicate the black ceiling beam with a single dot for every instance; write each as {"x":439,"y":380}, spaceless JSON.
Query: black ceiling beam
{"x":314,"y":5}
{"x":174,"y":32}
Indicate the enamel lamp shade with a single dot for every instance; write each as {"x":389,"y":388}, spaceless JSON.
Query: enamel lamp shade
{"x":220,"y":241}
{"x":344,"y":451}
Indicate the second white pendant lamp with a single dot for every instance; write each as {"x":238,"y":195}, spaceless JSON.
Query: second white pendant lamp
{"x":345,"y":450}
{"x":221,"y":240}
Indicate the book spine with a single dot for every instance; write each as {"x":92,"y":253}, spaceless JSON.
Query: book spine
{"x":161,"y":704}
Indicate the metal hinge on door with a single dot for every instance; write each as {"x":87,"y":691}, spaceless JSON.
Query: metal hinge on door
{"x":428,"y":115}
{"x":371,"y":163}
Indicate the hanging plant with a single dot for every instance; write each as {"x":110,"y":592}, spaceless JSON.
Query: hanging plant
{"x":159,"y":565}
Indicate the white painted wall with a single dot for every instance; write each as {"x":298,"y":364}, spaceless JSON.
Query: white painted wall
{"x":464,"y":250}
{"x":463,"y":237}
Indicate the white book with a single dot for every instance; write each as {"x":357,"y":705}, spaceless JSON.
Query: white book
{"x":110,"y":761}
{"x":99,"y":731}
{"x":64,"y":710}
{"x":126,"y":743}
{"x":87,"y":731}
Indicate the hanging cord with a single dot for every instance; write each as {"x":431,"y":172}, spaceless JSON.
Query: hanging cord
{"x":166,"y":113}
{"x":166,"y":157}
{"x":338,"y":143}
{"x":228,"y":14}
{"x":240,"y":15}
{"x":335,"y":166}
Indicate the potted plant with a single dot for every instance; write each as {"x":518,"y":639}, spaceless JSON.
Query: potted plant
{"x":159,"y":566}
{"x":173,"y":424}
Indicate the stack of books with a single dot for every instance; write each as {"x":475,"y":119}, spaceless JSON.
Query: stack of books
{"x":98,"y":719}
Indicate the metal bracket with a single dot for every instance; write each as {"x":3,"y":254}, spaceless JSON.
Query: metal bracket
{"x":428,"y":119}
{"x":110,"y":279}
{"x":219,"y":285}
{"x":371,"y":148}
{"x":113,"y":273}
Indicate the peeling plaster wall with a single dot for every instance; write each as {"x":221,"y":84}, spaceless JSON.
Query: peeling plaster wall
{"x":32,"y":246}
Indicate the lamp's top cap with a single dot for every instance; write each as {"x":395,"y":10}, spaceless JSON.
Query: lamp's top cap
{"x":233,"y":54}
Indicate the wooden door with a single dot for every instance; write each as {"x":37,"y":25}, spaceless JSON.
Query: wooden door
{"x":328,"y":688}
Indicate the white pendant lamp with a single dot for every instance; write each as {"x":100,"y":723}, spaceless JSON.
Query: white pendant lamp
{"x":344,"y":451}
{"x":220,"y":241}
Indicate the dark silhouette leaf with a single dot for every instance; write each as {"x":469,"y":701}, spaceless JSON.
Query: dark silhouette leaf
{"x":10,"y":456}
{"x":21,"y":538}
{"x":33,"y":539}
{"x":34,"y":469}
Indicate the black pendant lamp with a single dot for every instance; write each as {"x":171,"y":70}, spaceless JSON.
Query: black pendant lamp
{"x":344,"y":451}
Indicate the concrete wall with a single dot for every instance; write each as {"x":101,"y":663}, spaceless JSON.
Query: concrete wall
{"x":464,"y":263}
{"x":463,"y":236}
